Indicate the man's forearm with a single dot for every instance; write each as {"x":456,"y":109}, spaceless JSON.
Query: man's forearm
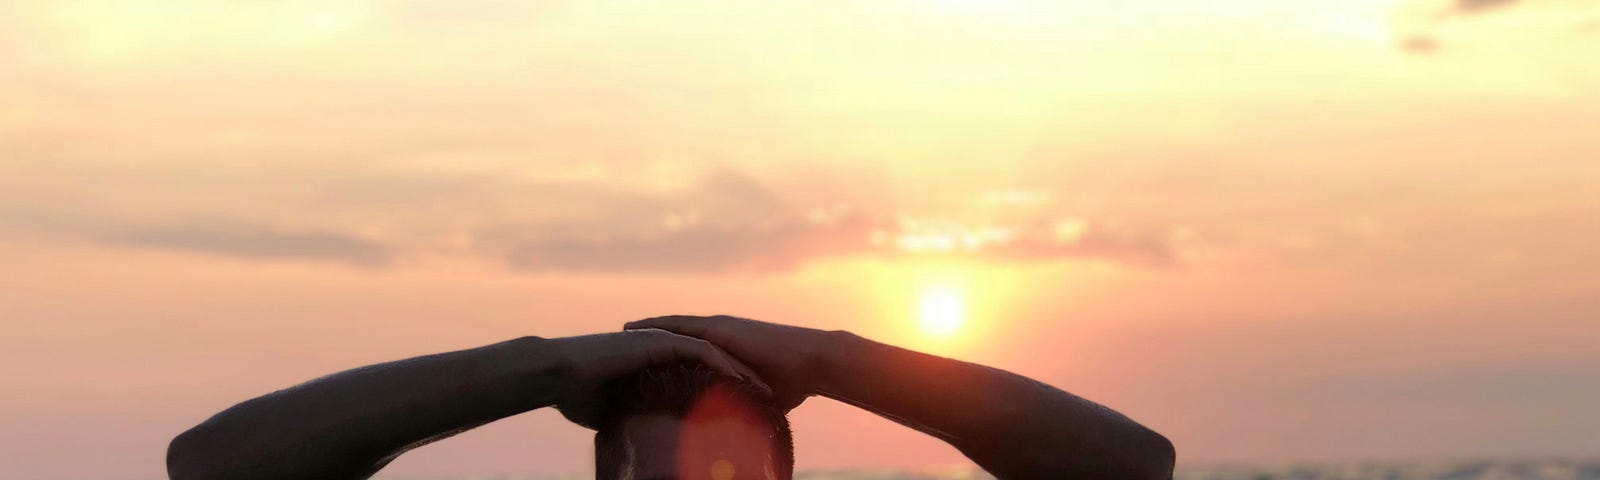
{"x":348,"y":425}
{"x":1010,"y":425}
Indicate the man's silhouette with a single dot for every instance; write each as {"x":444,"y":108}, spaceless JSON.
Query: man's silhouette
{"x":676,"y":397}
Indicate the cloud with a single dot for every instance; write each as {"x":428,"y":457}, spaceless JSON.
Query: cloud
{"x":695,"y":250}
{"x":781,"y":244}
{"x":1154,"y":248}
{"x":724,"y":220}
{"x":1422,"y":25}
{"x":1419,"y":44}
{"x":729,"y":222}
{"x":1479,"y":6}
{"x":256,"y":242}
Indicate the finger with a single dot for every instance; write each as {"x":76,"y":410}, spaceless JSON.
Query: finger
{"x":686,"y":348}
{"x":749,"y":374}
{"x":690,"y":325}
{"x":744,"y":371}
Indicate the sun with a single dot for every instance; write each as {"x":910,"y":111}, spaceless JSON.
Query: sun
{"x":942,"y":311}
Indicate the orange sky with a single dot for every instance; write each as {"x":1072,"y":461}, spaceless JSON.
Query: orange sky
{"x":1269,"y":229}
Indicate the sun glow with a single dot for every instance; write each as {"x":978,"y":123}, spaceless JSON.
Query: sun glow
{"x":942,"y":311}
{"x":949,"y":305}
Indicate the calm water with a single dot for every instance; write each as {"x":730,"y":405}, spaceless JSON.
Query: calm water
{"x":1415,"y":470}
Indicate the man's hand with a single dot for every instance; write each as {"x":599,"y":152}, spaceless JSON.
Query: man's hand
{"x":784,"y":355}
{"x":590,"y":361}
{"x":1012,"y":426}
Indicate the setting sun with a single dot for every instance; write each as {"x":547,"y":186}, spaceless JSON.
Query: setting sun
{"x":942,"y":311}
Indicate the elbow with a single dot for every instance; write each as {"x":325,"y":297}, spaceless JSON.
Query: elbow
{"x":186,"y":459}
{"x":1159,"y":458}
{"x":223,"y":449}
{"x":1140,"y":454}
{"x":200,"y":453}
{"x":1137,"y":455}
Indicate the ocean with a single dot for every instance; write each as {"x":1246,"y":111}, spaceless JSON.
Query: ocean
{"x":1546,"y":469}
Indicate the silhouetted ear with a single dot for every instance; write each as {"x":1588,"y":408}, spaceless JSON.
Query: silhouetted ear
{"x":609,"y":455}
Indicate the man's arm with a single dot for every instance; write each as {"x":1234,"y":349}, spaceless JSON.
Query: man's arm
{"x":1012,"y":426}
{"x":350,"y":424}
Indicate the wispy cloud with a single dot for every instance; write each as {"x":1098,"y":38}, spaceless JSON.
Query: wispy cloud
{"x":730,"y":222}
{"x":725,"y":220}
{"x":1479,"y":6}
{"x":1419,"y":44}
{"x":1429,"y":27}
{"x":257,"y":242}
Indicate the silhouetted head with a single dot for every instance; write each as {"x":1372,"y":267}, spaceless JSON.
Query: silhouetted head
{"x":688,"y":422}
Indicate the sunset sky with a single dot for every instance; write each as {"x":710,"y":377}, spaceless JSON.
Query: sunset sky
{"x":1270,"y":229}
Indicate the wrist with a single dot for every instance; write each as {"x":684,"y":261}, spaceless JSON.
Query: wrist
{"x":534,"y":365}
{"x":835,"y":351}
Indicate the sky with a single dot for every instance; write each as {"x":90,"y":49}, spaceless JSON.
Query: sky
{"x":1272,"y":230}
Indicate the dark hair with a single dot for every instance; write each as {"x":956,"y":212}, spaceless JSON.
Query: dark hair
{"x":675,"y":390}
